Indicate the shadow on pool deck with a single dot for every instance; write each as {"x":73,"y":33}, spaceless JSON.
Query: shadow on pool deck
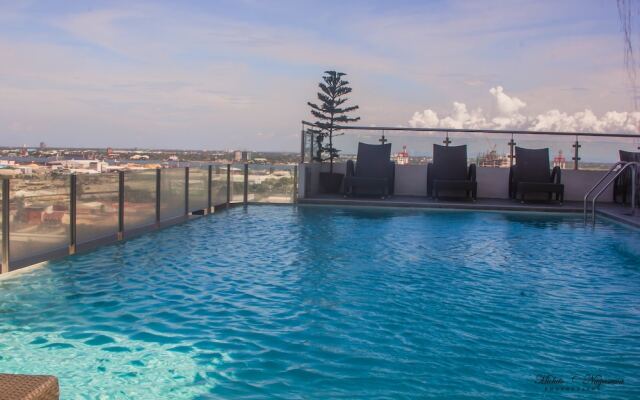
{"x":614,"y":211}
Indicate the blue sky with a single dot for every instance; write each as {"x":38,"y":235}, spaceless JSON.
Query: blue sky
{"x":238,"y":74}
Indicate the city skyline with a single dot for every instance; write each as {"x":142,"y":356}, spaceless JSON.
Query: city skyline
{"x":239,"y":74}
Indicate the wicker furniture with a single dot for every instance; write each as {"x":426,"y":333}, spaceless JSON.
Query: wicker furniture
{"x":28,"y":387}
{"x":449,"y":172}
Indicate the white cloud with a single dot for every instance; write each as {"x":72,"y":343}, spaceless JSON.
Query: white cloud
{"x":510,"y":116}
{"x":506,"y":104}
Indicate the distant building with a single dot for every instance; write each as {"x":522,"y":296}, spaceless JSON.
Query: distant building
{"x":43,"y":146}
{"x":402,"y":158}
{"x":492,"y":159}
{"x":240,"y":155}
{"x":559,"y":160}
{"x":80,"y":166}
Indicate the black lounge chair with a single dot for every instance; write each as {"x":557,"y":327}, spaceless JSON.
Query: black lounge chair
{"x":449,"y":172}
{"x":373,"y":173}
{"x":622,"y":183}
{"x":532,"y":174}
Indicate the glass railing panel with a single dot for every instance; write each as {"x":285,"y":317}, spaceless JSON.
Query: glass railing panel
{"x":97,"y":206}
{"x":198,"y":187}
{"x":1,"y":220}
{"x":601,"y":153}
{"x":406,"y":147}
{"x":560,"y":147}
{"x":39,"y":215}
{"x":219,"y":185}
{"x":237,"y":183}
{"x":139,"y":199}
{"x":172,"y":189}
{"x":271,"y":183}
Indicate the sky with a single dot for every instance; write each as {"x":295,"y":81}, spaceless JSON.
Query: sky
{"x":238,"y":74}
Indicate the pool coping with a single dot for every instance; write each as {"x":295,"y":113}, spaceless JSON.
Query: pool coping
{"x":614,"y":213}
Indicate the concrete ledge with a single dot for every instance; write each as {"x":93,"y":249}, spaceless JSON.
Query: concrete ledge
{"x":423,"y":202}
{"x":493,"y":183}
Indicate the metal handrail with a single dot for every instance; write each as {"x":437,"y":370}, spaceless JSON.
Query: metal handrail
{"x":447,"y":131}
{"x":461,"y":130}
{"x":586,"y":196}
{"x":625,"y":165}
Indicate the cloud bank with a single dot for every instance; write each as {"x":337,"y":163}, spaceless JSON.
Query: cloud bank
{"x":511,"y":115}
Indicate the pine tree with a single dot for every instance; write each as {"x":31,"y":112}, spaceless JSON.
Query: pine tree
{"x":330,"y":114}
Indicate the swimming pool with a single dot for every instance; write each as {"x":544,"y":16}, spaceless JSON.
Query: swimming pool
{"x":314,"y":302}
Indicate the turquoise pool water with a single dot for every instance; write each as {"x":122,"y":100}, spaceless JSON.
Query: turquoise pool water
{"x":312,"y":302}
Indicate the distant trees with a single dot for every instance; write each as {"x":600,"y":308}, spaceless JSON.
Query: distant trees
{"x":330,"y":113}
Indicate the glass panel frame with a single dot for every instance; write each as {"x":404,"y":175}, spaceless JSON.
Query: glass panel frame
{"x":139,"y":199}
{"x":271,"y":183}
{"x":96,"y":206}
{"x":40,"y":215}
{"x":237,"y":183}
{"x":198,"y":187}
{"x":219,"y":185}
{"x":172,"y":193}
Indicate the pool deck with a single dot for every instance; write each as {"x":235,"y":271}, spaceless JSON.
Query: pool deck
{"x":612,"y":211}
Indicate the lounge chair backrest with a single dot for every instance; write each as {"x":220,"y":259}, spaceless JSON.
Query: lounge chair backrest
{"x":629,"y":156}
{"x":373,"y":160}
{"x":532,"y":165}
{"x":450,"y":162}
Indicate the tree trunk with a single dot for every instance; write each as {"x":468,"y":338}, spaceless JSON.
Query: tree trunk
{"x":331,"y":149}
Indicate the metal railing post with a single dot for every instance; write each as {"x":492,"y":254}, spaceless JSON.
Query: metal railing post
{"x":576,"y":156}
{"x":120,"y":205}
{"x":209,"y":199}
{"x":245,"y":194}
{"x":382,"y":139}
{"x":447,"y":141}
{"x":512,"y":145}
{"x":311,"y":141}
{"x":73,"y":216}
{"x":5,"y":226}
{"x":294,"y":197}
{"x":186,"y":190}
{"x":158,"y":189}
{"x":228,"y":185}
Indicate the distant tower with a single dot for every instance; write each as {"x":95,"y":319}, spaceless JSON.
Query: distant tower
{"x":559,"y":160}
{"x":23,"y":151}
{"x":402,"y":158}
{"x":43,"y":145}
{"x":109,"y":151}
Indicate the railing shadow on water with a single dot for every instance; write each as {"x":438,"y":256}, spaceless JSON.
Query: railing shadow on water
{"x":45,"y":217}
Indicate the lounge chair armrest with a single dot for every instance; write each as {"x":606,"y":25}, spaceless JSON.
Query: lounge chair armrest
{"x":512,"y":182}
{"x":430,"y":171}
{"x":350,"y":168}
{"x":472,"y":173}
{"x":556,"y":174}
{"x":392,"y":177}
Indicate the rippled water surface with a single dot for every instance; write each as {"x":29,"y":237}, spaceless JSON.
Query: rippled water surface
{"x":323,"y":303}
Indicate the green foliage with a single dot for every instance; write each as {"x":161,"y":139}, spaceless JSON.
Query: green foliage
{"x":330,"y":114}
{"x":272,"y":185}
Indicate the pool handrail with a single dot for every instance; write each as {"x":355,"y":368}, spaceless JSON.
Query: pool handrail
{"x":623,"y":166}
